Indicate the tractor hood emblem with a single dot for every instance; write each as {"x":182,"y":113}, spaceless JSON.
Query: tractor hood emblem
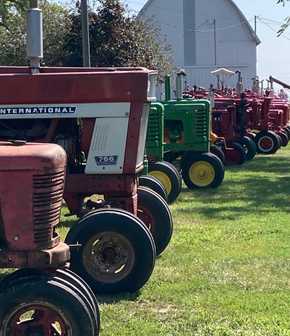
{"x":38,"y":110}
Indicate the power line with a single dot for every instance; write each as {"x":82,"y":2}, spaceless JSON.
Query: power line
{"x":271,"y":28}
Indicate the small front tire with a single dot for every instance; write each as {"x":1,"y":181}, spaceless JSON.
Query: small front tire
{"x":117,"y":251}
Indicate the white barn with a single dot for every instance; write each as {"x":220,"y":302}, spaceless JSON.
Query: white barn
{"x":205,"y":35}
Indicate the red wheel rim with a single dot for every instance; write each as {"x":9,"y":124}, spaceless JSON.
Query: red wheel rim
{"x":146,"y":216}
{"x":39,"y":319}
{"x":266,"y":143}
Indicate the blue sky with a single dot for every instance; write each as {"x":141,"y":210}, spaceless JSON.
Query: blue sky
{"x":273,"y":53}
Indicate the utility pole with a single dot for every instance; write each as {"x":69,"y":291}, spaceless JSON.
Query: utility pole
{"x":256,"y":24}
{"x":215,"y":41}
{"x":85,"y":34}
{"x":33,"y":3}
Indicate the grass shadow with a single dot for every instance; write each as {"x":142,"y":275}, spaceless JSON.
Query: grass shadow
{"x":113,"y":299}
{"x":262,"y":185}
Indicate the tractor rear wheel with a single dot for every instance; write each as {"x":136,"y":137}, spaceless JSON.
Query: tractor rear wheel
{"x":202,"y":170}
{"x":288,"y":128}
{"x":240,"y":153}
{"x":284,"y":138}
{"x":267,"y":142}
{"x":251,"y":135}
{"x":249,"y":146}
{"x":156,"y":215}
{"x":117,"y":251}
{"x":169,"y":177}
{"x":62,"y":276}
{"x":154,"y":184}
{"x":44,"y":306}
{"x":217,"y":151}
{"x":287,"y":131}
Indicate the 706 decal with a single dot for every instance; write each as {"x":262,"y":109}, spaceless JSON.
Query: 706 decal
{"x":106,"y":160}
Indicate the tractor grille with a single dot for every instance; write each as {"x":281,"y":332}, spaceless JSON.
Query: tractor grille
{"x":153,"y":128}
{"x":201,"y":123}
{"x":47,"y":202}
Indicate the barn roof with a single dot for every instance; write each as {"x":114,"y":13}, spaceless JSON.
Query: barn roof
{"x":233,"y":4}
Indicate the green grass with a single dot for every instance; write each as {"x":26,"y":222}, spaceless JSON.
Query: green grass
{"x":227,"y":270}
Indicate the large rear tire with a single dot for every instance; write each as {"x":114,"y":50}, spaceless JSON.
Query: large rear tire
{"x":284,"y":138}
{"x":117,"y":251}
{"x":287,"y":131}
{"x":44,"y":306}
{"x":202,"y":170}
{"x":169,"y":177}
{"x":154,"y":184}
{"x":241,"y":153}
{"x":217,"y":151}
{"x":63,"y":276}
{"x":249,"y":146}
{"x":156,"y":215}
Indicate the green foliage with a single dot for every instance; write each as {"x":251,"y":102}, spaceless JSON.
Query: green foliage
{"x":117,"y":39}
{"x":286,"y":24}
{"x":7,"y":7}
{"x":12,"y":37}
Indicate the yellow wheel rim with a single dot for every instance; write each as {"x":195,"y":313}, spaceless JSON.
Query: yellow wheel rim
{"x":201,"y":173}
{"x":164,"y":179}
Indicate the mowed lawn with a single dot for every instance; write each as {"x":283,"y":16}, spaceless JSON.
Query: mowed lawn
{"x":227,"y":270}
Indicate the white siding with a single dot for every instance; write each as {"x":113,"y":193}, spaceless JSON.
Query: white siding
{"x":167,"y":17}
{"x":235,"y":43}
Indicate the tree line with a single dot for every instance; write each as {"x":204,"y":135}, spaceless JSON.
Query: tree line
{"x":116,"y":37}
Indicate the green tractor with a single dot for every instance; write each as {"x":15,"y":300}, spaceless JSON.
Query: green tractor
{"x":179,"y":132}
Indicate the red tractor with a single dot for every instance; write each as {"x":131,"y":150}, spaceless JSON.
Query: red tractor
{"x":268,"y":118}
{"x":229,"y":117}
{"x":230,"y":139}
{"x":99,"y":116}
{"x":42,"y":297}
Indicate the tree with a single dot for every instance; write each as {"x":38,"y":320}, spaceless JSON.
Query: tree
{"x":13,"y":35}
{"x":7,"y":7}
{"x":286,"y":24}
{"x":117,"y":39}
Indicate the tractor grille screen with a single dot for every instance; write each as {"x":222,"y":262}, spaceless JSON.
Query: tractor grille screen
{"x":47,"y":202}
{"x":201,"y":124}
{"x":154,"y":136}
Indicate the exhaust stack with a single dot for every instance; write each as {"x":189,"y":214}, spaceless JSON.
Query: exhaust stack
{"x":34,"y":36}
{"x":179,"y":84}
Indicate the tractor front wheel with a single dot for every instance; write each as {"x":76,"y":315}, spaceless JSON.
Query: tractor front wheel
{"x":267,"y":142}
{"x":156,"y":215}
{"x":169,"y":177}
{"x":202,"y":170}
{"x":117,"y":252}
